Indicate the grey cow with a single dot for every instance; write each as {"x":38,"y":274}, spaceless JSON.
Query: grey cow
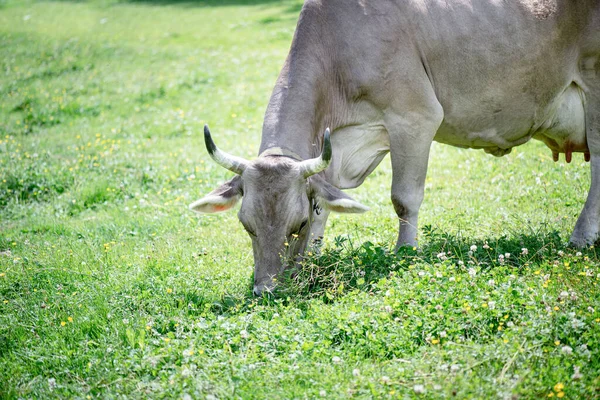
{"x":394,"y":75}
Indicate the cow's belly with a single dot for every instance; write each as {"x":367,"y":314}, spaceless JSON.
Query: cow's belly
{"x":561,"y":125}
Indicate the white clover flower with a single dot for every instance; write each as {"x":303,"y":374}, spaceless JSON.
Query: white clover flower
{"x":510,"y":324}
{"x":336,"y":360}
{"x":52,"y":383}
{"x":473,"y":248}
{"x":573,"y":296}
{"x":486,"y":246}
{"x":442,"y":256}
{"x":443,"y":334}
{"x":438,"y":307}
{"x":524,"y":251}
{"x":491,"y":282}
{"x":472,"y":272}
{"x":244,"y":334}
{"x":356,"y":372}
{"x":561,"y":253}
{"x":385,"y":380}
{"x":567,"y":350}
{"x":454,"y":367}
{"x":563,"y":295}
{"x":419,"y":389}
{"x":578,"y":254}
{"x":438,"y":274}
{"x":507,"y":255}
{"x":491,"y":305}
{"x":421,"y":273}
{"x":452,"y":279}
{"x":388,"y":309}
{"x":576,"y":374}
{"x":590,"y":309}
{"x":323,"y":393}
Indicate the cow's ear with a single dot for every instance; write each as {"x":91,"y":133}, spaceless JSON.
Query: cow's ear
{"x":332,"y":198}
{"x":220,"y":199}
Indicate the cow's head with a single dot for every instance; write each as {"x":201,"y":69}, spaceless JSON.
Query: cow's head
{"x":280,"y":195}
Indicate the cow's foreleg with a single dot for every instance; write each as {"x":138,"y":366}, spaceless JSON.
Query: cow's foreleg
{"x":411,"y":136}
{"x":588,"y":225}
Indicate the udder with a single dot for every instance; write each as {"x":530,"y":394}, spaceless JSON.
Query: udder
{"x":564,"y":131}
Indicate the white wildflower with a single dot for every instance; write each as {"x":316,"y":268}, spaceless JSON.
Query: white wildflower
{"x":356,"y":372}
{"x":419,"y":389}
{"x":576,"y":374}
{"x":524,"y":251}
{"x":385,"y":380}
{"x":472,"y":272}
{"x":578,"y":254}
{"x":491,"y":305}
{"x":561,"y":253}
{"x":336,"y":360}
{"x":473,"y":248}
{"x":486,"y":246}
{"x":442,"y":256}
{"x":507,"y":255}
{"x":491,"y":282}
{"x":443,"y":334}
{"x":454,"y":367}
{"x":323,"y":393}
{"x":244,"y":334}
{"x":563,"y":295}
{"x":52,"y":383}
{"x":567,"y":350}
{"x":438,"y":274}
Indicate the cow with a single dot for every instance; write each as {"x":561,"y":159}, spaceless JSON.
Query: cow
{"x":367,"y":78}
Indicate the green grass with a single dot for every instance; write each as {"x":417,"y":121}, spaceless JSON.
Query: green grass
{"x":110,"y":287}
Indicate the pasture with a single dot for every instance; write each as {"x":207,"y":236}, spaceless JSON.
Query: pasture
{"x":111,"y":288}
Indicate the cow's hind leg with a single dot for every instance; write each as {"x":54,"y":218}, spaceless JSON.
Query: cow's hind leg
{"x":411,"y":131}
{"x":588,"y":225}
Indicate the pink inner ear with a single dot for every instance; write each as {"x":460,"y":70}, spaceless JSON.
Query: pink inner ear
{"x":221,"y":207}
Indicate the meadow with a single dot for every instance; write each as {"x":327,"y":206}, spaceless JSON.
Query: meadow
{"x":111,"y":288}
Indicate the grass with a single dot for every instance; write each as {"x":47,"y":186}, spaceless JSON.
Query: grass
{"x":109,"y":287}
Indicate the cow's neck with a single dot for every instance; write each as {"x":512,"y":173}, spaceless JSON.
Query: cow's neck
{"x":306,"y":99}
{"x":296,"y":117}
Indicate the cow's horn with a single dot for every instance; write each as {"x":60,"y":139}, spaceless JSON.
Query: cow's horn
{"x":232,"y":163}
{"x":316,"y":165}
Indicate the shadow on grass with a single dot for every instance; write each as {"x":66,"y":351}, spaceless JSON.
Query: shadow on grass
{"x":347,"y":267}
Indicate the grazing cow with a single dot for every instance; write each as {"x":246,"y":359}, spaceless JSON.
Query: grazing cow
{"x":394,"y":75}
